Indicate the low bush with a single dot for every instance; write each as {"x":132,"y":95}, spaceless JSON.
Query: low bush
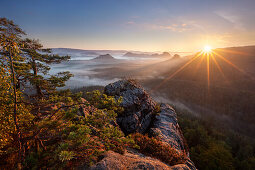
{"x":155,"y":148}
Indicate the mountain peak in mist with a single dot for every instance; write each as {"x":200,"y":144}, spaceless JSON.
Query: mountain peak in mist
{"x":104,"y":57}
{"x":176,"y":56}
{"x":164,"y":54}
{"x":131,"y":54}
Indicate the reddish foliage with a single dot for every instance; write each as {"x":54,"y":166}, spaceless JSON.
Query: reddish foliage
{"x":157,"y":149}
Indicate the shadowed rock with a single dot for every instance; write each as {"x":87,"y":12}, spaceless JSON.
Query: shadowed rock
{"x":166,"y":127}
{"x":138,"y":106}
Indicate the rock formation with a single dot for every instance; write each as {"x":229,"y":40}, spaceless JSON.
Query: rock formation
{"x":138,"y":106}
{"x":140,"y":116}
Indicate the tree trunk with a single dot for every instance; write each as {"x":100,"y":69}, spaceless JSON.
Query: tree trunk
{"x":19,"y":135}
{"x":38,"y":88}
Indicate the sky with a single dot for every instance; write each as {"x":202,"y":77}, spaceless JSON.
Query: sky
{"x":143,"y":25}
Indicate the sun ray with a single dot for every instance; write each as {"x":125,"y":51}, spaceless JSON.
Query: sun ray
{"x":218,"y":66}
{"x":208,"y":69}
{"x":233,"y":65}
{"x":208,"y":54}
{"x":199,"y":63}
{"x":177,"y":71}
{"x":229,"y":62}
{"x":232,"y":51}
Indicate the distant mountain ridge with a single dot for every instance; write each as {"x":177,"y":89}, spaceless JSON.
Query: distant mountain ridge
{"x":132,"y":54}
{"x":93,"y":51}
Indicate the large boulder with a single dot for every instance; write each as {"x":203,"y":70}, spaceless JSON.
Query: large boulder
{"x":138,"y":106}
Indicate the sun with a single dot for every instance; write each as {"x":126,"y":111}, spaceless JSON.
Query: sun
{"x":207,"y":49}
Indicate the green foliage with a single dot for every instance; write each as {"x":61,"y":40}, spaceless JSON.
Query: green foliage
{"x":216,"y":156}
{"x":213,"y":148}
{"x":70,"y":139}
{"x":7,"y":127}
{"x":103,"y":101}
{"x":15,"y":116}
{"x":156,"y":148}
{"x":37,"y":61}
{"x":66,"y":155}
{"x":157,"y":109}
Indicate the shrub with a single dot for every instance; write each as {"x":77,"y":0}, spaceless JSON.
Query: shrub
{"x":155,"y":148}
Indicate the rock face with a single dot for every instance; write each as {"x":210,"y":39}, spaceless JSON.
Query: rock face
{"x":140,"y":116}
{"x":138,"y":106}
{"x":166,"y":127}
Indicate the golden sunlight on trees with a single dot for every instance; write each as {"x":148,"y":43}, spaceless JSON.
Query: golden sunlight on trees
{"x":10,"y":55}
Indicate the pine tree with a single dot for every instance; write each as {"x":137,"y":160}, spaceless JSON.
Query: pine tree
{"x":10,"y":36}
{"x":38,"y":60}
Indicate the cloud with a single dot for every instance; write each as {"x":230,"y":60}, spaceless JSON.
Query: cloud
{"x":231,"y":18}
{"x":172,"y":27}
{"x":168,"y":27}
{"x":130,"y":23}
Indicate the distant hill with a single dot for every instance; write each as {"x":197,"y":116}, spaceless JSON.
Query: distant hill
{"x":131,"y":54}
{"x":164,"y":54}
{"x":105,"y":57}
{"x":175,"y":57}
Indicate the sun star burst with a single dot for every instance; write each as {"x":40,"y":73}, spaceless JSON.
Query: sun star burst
{"x":207,"y":49}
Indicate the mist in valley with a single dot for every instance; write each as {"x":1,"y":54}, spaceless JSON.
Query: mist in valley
{"x":154,"y":72}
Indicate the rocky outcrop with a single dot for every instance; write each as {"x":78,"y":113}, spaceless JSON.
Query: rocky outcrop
{"x":166,"y":127}
{"x":138,"y":106}
{"x":140,"y":115}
